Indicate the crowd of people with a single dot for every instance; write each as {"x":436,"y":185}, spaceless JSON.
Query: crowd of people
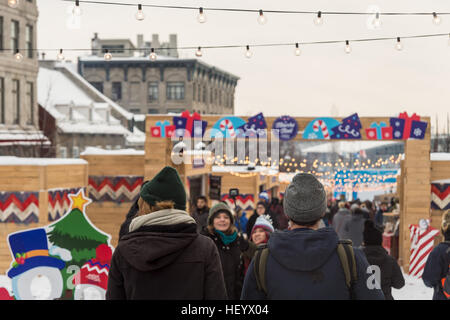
{"x":294,"y":248}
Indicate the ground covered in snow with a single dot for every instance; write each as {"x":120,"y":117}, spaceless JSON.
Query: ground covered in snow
{"x":414,"y":289}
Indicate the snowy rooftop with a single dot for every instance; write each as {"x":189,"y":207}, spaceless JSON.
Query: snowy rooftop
{"x":439,"y":156}
{"x":22,"y":137}
{"x":100,"y":151}
{"x":17,"y":161}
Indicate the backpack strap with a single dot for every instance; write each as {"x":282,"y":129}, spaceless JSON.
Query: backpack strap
{"x":260,"y":268}
{"x":348,"y":262}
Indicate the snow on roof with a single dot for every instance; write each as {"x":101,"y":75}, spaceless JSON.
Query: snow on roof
{"x":100,"y":151}
{"x":346,"y":146}
{"x":439,"y":156}
{"x":137,"y":137}
{"x":22,"y":137}
{"x":17,"y":161}
{"x":92,"y":128}
{"x":443,"y":181}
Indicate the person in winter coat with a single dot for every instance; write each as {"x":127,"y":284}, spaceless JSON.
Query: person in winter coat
{"x":303,"y":262}
{"x":260,"y":235}
{"x":277,"y":209}
{"x":391,"y":274}
{"x":340,"y":219}
{"x":162,"y":256}
{"x":241,"y":220}
{"x":354,"y":227}
{"x":261,"y":209}
{"x":437,"y":265}
{"x":379,"y":217}
{"x":230,"y":245}
{"x":200,"y":213}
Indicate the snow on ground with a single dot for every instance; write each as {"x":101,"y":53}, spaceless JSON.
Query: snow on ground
{"x":414,"y":289}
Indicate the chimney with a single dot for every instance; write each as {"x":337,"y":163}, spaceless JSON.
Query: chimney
{"x":94,"y":44}
{"x":173,"y":44}
{"x":155,"y":41}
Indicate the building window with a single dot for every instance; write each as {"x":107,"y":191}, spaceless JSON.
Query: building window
{"x":1,"y":33}
{"x":175,"y":90}
{"x":14,"y":35}
{"x":2,"y":100}
{"x":16,"y":101}
{"x":152,"y":91}
{"x":29,"y":40}
{"x":153,"y":111}
{"x":116,"y":91}
{"x":30,"y":99}
{"x":108,"y":147}
{"x":135,"y":91}
{"x":114,"y":48}
{"x":62,"y":152}
{"x":75,"y":152}
{"x":204,"y":94}
{"x":97,"y":85}
{"x":135,"y":111}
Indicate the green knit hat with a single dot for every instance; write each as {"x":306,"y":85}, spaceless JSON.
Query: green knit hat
{"x":166,"y":185}
{"x":222,"y":207}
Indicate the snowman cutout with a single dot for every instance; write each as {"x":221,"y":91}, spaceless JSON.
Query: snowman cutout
{"x":91,"y":282}
{"x":35,"y":274}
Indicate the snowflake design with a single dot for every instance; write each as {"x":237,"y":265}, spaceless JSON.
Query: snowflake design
{"x":397,"y":123}
{"x":397,"y":134}
{"x":417,"y":132}
{"x":371,"y":134}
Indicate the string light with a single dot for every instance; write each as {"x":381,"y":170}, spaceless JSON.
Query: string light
{"x":399,"y":45}
{"x":153,"y":55}
{"x":140,"y":14}
{"x":248,"y":53}
{"x":201,"y":16}
{"x":77,"y":10}
{"x":199,"y":53}
{"x":377,"y":21}
{"x":318,"y":21}
{"x":13,"y":3}
{"x":436,"y":19}
{"x":348,"y":49}
{"x":449,"y":39}
{"x":262,"y":19}
{"x":60,"y":55}
{"x":18,"y":56}
{"x":107,"y":56}
{"x":297,"y":50}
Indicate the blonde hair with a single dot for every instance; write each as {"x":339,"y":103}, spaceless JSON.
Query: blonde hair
{"x":445,"y":221}
{"x":341,"y":204}
{"x":145,"y":208}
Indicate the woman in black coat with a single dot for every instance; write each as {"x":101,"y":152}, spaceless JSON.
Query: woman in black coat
{"x":231,"y":246}
{"x":391,"y":274}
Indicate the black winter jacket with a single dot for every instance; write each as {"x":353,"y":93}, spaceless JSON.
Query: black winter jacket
{"x":391,"y":274}
{"x":436,"y":268}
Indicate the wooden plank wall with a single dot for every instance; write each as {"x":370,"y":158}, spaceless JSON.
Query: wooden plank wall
{"x":440,"y":170}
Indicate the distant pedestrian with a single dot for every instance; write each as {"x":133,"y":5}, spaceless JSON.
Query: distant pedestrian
{"x":339,"y":220}
{"x":354,"y":227}
{"x":261,"y":209}
{"x":276,"y":208}
{"x":200,"y":213}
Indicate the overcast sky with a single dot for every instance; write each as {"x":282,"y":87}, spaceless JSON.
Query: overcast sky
{"x":374,"y":80}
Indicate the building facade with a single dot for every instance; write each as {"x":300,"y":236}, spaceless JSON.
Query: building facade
{"x":167,"y":85}
{"x":19,"y":127}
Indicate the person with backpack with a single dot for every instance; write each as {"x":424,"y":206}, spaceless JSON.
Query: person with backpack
{"x":305,"y":262}
{"x":162,"y":256}
{"x":436,"y":273}
{"x":391,"y":274}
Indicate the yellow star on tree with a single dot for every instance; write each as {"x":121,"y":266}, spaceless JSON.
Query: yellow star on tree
{"x":79,"y":200}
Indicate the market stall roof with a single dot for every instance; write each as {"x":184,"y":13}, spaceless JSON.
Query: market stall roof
{"x":100,"y":151}
{"x":18,"y":161}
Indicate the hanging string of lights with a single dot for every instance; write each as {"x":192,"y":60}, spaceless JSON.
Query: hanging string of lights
{"x":248,"y":53}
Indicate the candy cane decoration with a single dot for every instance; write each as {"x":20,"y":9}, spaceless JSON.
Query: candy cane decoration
{"x":323,"y":127}
{"x":227,"y":125}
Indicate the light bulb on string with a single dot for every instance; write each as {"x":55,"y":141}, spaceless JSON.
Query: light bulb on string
{"x":248,"y":53}
{"x":140,"y":14}
{"x":60,"y":55}
{"x":199,"y":53}
{"x":399,"y":45}
{"x":77,"y":10}
{"x":262,"y":19}
{"x":377,"y":21}
{"x":201,"y":16}
{"x":18,"y":56}
{"x":449,"y":45}
{"x":348,"y":49}
{"x":13,"y":3}
{"x":318,"y":21}
{"x":153,"y":55}
{"x":436,"y":19}
{"x":108,"y":55}
{"x":297,"y":50}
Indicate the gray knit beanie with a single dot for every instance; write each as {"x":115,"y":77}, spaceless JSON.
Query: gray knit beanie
{"x":305,"y":199}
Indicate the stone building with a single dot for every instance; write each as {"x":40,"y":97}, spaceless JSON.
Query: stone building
{"x":19,"y":129}
{"x":167,"y":85}
{"x":74,"y":115}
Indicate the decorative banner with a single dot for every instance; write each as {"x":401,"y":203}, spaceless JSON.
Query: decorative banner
{"x":245,"y":202}
{"x":418,"y":129}
{"x":45,"y":260}
{"x":19,"y":207}
{"x":440,"y":196}
{"x":162,"y":129}
{"x":255,"y":127}
{"x":348,"y":129}
{"x":227,"y":126}
{"x":398,"y":127}
{"x":379,"y":131}
{"x":408,"y":123}
{"x":287,"y":126}
{"x":320,"y":128}
{"x":188,"y":125}
{"x":115,"y":188}
{"x":405,"y":127}
{"x":422,"y":242}
{"x":59,"y":202}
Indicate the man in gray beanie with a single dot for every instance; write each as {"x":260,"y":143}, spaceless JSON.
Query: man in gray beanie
{"x":305,"y":262}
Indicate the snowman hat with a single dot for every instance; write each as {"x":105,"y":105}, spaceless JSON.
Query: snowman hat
{"x":30,"y":250}
{"x":264,"y":195}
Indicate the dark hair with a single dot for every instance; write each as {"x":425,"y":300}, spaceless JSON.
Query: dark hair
{"x":358,"y":211}
{"x":201,"y":198}
{"x":372,"y":234}
{"x":306,"y":224}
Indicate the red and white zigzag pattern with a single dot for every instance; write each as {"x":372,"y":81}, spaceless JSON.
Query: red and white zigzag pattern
{"x":19,"y":207}
{"x":114,"y":188}
{"x":440,"y":196}
{"x":244,"y":201}
{"x":421,"y":246}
